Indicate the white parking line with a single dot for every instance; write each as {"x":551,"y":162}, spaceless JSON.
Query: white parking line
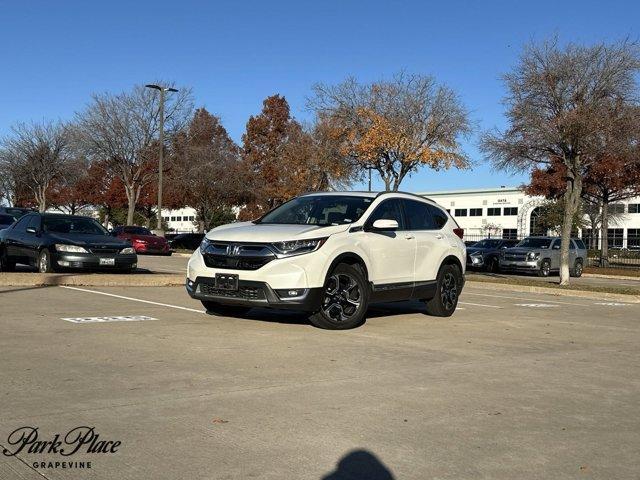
{"x":478,"y":305}
{"x":133,"y":299}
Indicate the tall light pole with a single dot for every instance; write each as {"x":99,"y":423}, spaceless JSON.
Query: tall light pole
{"x":162,"y":91}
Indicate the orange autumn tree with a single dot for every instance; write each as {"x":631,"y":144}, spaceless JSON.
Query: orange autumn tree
{"x":395,"y":127}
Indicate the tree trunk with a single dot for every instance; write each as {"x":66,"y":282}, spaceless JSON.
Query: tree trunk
{"x":42,"y":199}
{"x":131,"y":203}
{"x":604,"y":223}
{"x":571,"y":204}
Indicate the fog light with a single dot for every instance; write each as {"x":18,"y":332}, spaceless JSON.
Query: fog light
{"x":63,"y":263}
{"x":291,"y":293}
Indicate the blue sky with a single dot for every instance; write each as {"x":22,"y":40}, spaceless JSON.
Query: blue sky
{"x":233,"y":54}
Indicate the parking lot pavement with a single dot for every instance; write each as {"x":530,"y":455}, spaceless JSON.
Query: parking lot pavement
{"x":584,"y":280}
{"x":514,"y":385}
{"x":161,"y":264}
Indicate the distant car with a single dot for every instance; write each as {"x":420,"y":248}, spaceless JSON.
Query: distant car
{"x":143,"y":240}
{"x":485,"y":253}
{"x":16,"y":212}
{"x":51,"y":241}
{"x":186,"y":241}
{"x":469,"y":243}
{"x":541,"y":255}
{"x":6,"y":220}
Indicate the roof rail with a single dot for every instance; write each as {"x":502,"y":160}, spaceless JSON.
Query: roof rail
{"x":405,"y":193}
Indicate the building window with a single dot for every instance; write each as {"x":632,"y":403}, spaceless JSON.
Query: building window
{"x":461,"y":212}
{"x":615,"y":237}
{"x":475,"y":212}
{"x":173,"y":219}
{"x":511,"y":210}
{"x":510,"y":233}
{"x":192,"y":218}
{"x":493,"y":211}
{"x":634,"y":208}
{"x":616,"y":208}
{"x":633,"y":238}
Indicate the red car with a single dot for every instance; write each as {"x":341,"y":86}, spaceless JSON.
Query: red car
{"x":142,"y":240}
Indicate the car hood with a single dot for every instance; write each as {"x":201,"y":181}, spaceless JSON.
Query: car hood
{"x":265,"y":233}
{"x":523,"y":249}
{"x":88,"y":240}
{"x":471,"y":250}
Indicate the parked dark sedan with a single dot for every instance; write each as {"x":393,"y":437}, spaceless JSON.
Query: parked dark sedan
{"x":485,"y":254}
{"x":186,"y":241}
{"x":51,"y":242}
{"x":6,"y":220}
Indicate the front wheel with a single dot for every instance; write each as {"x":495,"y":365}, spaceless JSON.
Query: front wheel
{"x":493,"y":266}
{"x":345,"y":301}
{"x":448,"y":287}
{"x":45,"y":264}
{"x":545,"y":268}
{"x":214,"y":308}
{"x":577,"y":269}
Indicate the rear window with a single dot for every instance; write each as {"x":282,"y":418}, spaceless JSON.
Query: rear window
{"x":533,"y":242}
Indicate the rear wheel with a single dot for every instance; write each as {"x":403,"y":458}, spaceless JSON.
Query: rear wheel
{"x":44,"y":262}
{"x":214,"y":308}
{"x":449,"y":285}
{"x":576,"y":271}
{"x":493,"y":265}
{"x":345,"y":301}
{"x":545,"y":268}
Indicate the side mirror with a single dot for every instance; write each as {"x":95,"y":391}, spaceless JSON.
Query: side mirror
{"x":385,"y":225}
{"x":31,"y":230}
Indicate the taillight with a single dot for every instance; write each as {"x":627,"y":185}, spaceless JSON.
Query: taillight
{"x":459,"y":232}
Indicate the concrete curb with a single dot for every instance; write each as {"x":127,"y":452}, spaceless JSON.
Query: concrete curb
{"x":90,"y":279}
{"x":617,"y":297}
{"x":615,"y":277}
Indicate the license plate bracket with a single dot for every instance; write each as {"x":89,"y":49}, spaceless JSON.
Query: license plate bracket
{"x":226,"y":281}
{"x":108,"y":262}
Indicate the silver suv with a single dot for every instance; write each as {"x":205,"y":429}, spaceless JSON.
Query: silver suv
{"x":542,"y":256}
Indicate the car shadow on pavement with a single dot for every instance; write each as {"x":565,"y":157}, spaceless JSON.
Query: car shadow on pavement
{"x":10,"y":289}
{"x":359,"y":465}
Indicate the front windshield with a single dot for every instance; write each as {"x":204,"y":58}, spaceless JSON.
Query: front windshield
{"x":322,"y":210}
{"x":487,"y":244}
{"x":533,"y":242}
{"x":79,"y":225}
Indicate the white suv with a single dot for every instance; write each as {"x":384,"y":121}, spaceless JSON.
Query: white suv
{"x":331,"y":255}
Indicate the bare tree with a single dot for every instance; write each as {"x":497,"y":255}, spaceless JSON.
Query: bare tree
{"x":121,"y":129}
{"x":34,"y":156}
{"x":561,"y":104}
{"x":397,"y":126}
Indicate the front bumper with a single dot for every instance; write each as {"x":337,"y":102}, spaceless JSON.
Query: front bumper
{"x":91,"y":261}
{"x":520,"y":265}
{"x":152,"y":249}
{"x":255,"y":294}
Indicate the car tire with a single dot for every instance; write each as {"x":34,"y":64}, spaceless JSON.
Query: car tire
{"x":545,"y":268}
{"x":493,"y":266}
{"x":576,"y":271}
{"x":448,"y":287}
{"x":219,"y":310}
{"x":5,"y":264}
{"x":45,"y":265}
{"x":345,"y":301}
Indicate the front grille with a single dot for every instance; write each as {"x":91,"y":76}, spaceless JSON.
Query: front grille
{"x":236,"y":256}
{"x":517,"y":257}
{"x":104,"y":250}
{"x":244,"y":293}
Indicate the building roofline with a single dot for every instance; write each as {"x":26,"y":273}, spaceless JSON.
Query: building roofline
{"x":471,"y":190}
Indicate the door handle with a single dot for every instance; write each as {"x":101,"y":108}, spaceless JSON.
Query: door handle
{"x":438,"y":236}
{"x":409,"y":237}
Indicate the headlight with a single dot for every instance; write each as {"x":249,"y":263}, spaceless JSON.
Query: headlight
{"x":476,"y":257}
{"x":297,"y":247}
{"x":70,"y":248}
{"x":533,"y":256}
{"x":204,"y":244}
{"x":127,"y":250}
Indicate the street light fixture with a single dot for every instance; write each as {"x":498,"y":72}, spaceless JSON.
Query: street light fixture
{"x":162,"y":91}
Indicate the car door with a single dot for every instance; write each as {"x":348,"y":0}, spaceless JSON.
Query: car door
{"x":430,"y":242}
{"x":555,"y":254}
{"x":31,"y":239}
{"x":573,"y":253}
{"x":392,"y":253}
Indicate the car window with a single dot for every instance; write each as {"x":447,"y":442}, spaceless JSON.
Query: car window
{"x":439,"y":217}
{"x":488,"y":243}
{"x":418,"y":215}
{"x":34,"y":222}
{"x":21,"y":226}
{"x":78,"y":225}
{"x":322,"y":210}
{"x":388,"y":210}
{"x":6,"y":219}
{"x":533,"y":242}
{"x":557,"y":244}
{"x":580,"y":244}
{"x":572,"y":245}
